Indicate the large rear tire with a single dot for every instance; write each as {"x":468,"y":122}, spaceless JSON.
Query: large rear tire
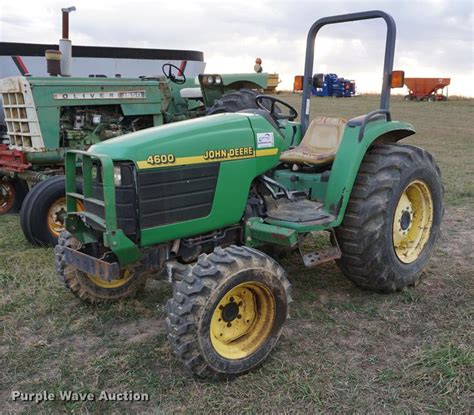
{"x":234,"y":102}
{"x":393,"y":218}
{"x":228,"y":311}
{"x":89,"y":288}
{"x":12,"y":194}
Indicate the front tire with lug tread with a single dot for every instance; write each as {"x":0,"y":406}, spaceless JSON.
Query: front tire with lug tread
{"x":227,"y":311}
{"x":393,"y":218}
{"x":89,"y":288}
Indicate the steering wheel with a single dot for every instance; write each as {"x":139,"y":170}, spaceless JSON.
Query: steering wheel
{"x":263,"y":101}
{"x":167,"y":69}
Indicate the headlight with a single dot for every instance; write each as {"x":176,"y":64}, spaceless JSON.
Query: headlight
{"x":210,"y":80}
{"x":117,"y":176}
{"x":218,"y":80}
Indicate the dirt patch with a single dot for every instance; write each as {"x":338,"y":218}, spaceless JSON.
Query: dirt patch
{"x":457,"y":239}
{"x":140,"y":330}
{"x":80,"y":342}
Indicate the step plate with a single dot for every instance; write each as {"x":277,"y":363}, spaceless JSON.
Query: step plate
{"x":313,"y":259}
{"x":299,"y":211}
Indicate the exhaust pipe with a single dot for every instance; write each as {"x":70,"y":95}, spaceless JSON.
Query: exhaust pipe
{"x":65,"y":45}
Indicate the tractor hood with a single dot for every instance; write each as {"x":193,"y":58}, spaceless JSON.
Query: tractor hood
{"x":214,"y":138}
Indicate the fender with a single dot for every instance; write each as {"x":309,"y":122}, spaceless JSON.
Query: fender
{"x":230,"y":83}
{"x":349,"y":157}
{"x":249,"y":80}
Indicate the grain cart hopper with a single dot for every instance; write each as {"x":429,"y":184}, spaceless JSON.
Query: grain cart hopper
{"x":45,"y":116}
{"x":197,"y":201}
{"x":426,"y":89}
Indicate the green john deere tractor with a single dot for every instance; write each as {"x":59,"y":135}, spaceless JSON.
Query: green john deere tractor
{"x":47,"y":116}
{"x":196,"y":202}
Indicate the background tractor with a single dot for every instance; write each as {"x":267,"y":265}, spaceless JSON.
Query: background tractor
{"x":45,"y":116}
{"x":198,"y":202}
{"x":331,"y":85}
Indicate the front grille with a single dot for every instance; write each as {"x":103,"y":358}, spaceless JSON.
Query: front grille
{"x":21,"y":117}
{"x":125,"y":202}
{"x":176,"y":194}
{"x":165,"y":196}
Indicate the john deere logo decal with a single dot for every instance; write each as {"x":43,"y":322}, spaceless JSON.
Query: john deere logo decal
{"x":238,"y":153}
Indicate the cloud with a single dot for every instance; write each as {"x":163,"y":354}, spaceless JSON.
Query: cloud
{"x":434,"y":37}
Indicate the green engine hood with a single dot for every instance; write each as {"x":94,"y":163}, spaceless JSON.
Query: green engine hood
{"x":239,"y":147}
{"x":220,"y":137}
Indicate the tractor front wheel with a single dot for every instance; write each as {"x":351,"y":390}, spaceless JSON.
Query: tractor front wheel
{"x":393,"y":218}
{"x":88,"y":287}
{"x":227,"y":311}
{"x":12,"y":194}
{"x":44,"y":210}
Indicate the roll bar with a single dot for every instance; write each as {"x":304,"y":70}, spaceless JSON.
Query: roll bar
{"x":388,"y":61}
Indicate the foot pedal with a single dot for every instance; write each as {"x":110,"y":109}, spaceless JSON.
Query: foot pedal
{"x":312,"y":259}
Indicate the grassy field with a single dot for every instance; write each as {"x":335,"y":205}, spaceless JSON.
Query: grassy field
{"x":343,"y":350}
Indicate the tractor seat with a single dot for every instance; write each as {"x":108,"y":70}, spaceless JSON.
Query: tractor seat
{"x":320,"y":143}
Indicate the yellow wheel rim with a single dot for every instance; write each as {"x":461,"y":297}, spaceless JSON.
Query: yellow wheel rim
{"x":412,"y":221}
{"x":243,"y":320}
{"x":57,"y":213}
{"x":127,"y":276}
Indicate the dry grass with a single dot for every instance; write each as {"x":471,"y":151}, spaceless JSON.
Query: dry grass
{"x":344,"y":350}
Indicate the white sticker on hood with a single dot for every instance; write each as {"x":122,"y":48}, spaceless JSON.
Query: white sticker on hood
{"x":265,"y":140}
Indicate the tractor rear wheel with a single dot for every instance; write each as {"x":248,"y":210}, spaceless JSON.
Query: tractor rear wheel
{"x":12,"y":194}
{"x":90,"y":288}
{"x":393,"y":218}
{"x":234,"y":102}
{"x":227,"y":311}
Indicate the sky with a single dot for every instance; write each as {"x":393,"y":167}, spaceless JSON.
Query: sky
{"x":435,"y":38}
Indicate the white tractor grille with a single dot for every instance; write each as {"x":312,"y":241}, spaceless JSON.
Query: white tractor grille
{"x":20,"y":114}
